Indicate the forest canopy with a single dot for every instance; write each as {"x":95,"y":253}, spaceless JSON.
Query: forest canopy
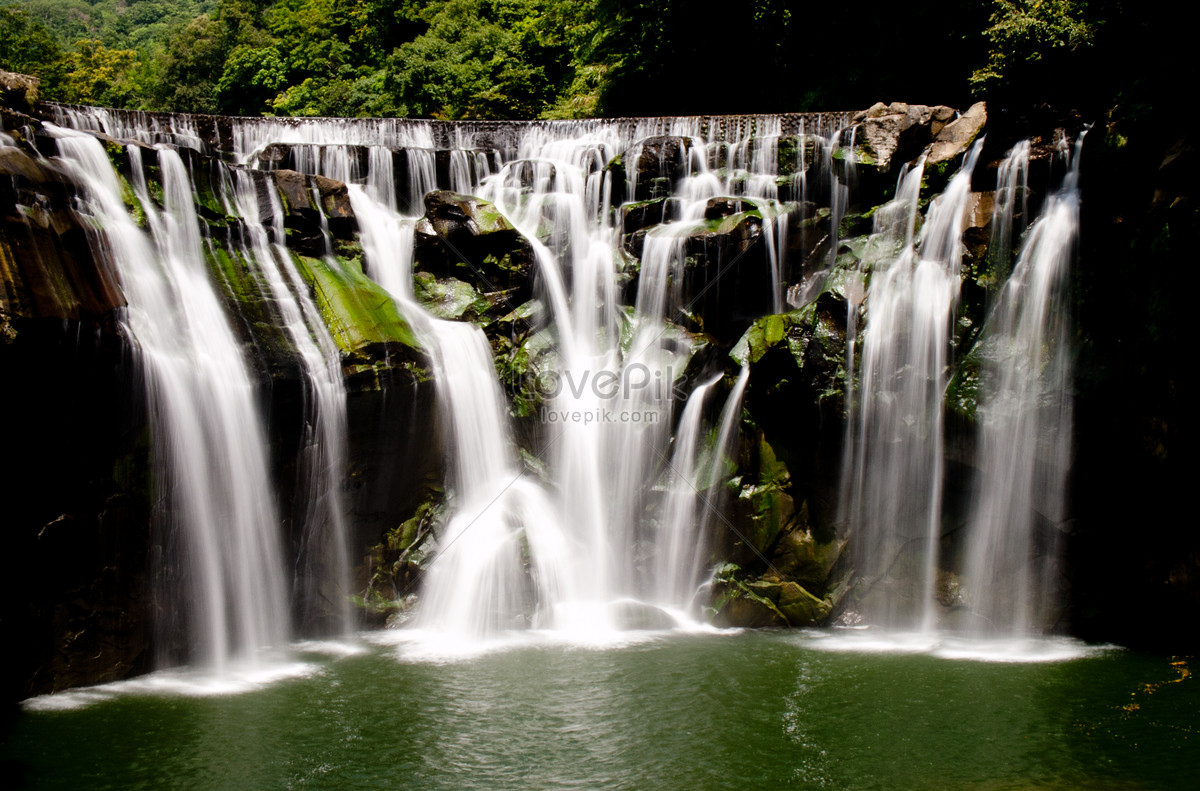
{"x":578,"y":58}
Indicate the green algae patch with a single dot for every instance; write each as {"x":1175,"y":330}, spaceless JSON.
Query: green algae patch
{"x":765,"y":333}
{"x":358,"y":312}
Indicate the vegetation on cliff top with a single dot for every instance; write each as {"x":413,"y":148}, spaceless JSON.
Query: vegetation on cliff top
{"x":562,"y":58}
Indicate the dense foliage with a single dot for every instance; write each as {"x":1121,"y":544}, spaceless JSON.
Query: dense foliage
{"x":573,"y":58}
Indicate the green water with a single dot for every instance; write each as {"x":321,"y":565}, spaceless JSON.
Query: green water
{"x":752,"y":710}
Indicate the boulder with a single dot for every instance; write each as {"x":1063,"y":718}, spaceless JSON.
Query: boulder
{"x":449,"y":298}
{"x":958,"y":135}
{"x":467,"y":238}
{"x":364,"y":321}
{"x":880,"y":136}
{"x":719,"y":208}
{"x":630,"y":614}
{"x":735,"y":602}
{"x":764,"y":602}
{"x":800,"y":557}
{"x":18,"y":91}
{"x":305,"y":198}
{"x":800,"y":607}
{"x":899,"y":132}
{"x":657,"y":164}
{"x":727,"y":279}
{"x":643,"y":214}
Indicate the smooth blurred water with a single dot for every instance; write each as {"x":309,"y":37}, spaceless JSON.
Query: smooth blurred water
{"x":839,"y":710}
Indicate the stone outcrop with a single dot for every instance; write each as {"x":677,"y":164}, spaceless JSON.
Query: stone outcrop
{"x":305,"y":200}
{"x":957,"y":136}
{"x":79,"y":505}
{"x":18,"y":91}
{"x":893,"y":134}
{"x":467,"y":238}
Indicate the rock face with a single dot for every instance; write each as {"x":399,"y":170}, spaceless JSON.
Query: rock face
{"x":18,"y":91}
{"x":726,"y":278}
{"x":80,"y":504}
{"x":786,"y":564}
{"x":76,"y":497}
{"x":467,"y":238}
{"x":76,"y":586}
{"x":898,"y":132}
{"x":957,"y":135}
{"x":305,"y":200}
{"x":47,"y":269}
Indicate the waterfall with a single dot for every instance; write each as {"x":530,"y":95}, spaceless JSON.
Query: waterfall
{"x":692,"y":499}
{"x":608,"y":502}
{"x":478,"y":585}
{"x":512,"y":553}
{"x":323,"y":467}
{"x":892,"y":497}
{"x":679,"y":546}
{"x":1012,"y":185}
{"x":210,"y":450}
{"x":1025,"y":421}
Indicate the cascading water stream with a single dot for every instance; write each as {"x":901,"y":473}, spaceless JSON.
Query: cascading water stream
{"x":514,"y":553}
{"x":1012,"y":190}
{"x":894,"y":500}
{"x":478,"y":585}
{"x":674,"y":573}
{"x":562,"y":182}
{"x":1025,"y":419}
{"x":323,"y":469}
{"x":691,"y":501}
{"x":210,"y":450}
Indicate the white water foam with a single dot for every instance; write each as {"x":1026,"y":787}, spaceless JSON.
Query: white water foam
{"x":869,"y":640}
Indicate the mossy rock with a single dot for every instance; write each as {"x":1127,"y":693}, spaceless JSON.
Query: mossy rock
{"x":363,"y":319}
{"x":798,"y":556}
{"x":763,"y":602}
{"x":398,"y":561}
{"x":800,"y":607}
{"x":761,"y":512}
{"x":733,"y":603}
{"x":813,"y":336}
{"x":659,"y":164}
{"x":789,"y":162}
{"x":962,"y":393}
{"x":644,"y":214}
{"x":448,"y":298}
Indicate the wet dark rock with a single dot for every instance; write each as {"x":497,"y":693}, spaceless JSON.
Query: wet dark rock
{"x":643,"y":214}
{"x":726,"y":279}
{"x":47,"y":266}
{"x":467,"y":238}
{"x":657,"y":165}
{"x":75,"y":591}
{"x":718,"y":208}
{"x":304,"y":199}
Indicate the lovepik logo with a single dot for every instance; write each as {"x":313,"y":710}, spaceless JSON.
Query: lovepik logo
{"x":636,"y":383}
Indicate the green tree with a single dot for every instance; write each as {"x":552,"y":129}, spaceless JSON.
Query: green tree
{"x":28,"y":48}
{"x":1030,"y":44}
{"x":250,"y":78}
{"x":481,"y":59}
{"x":94,"y":74}
{"x":190,"y":66}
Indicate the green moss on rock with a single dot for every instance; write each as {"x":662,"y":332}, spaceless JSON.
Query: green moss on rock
{"x":358,"y":312}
